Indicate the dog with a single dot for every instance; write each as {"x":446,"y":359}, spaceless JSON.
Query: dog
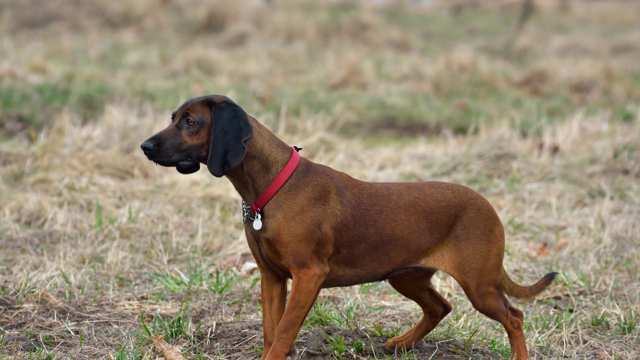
{"x":322,"y":228}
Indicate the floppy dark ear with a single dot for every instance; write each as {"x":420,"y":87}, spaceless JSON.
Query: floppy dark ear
{"x":230,"y":134}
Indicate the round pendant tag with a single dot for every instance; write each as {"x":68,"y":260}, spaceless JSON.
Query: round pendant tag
{"x":257,"y":223}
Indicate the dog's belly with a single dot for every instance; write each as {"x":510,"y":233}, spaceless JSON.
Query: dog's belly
{"x":362,"y":264}
{"x":374,"y":254}
{"x":349,"y":279}
{"x":391,"y":227}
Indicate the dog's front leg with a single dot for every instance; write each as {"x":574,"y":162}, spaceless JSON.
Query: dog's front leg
{"x":304,"y":290}
{"x":274,"y":295}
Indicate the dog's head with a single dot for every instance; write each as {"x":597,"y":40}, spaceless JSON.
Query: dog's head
{"x":210,"y":129}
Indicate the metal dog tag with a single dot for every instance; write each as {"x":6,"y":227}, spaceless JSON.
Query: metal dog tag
{"x":257,"y":222}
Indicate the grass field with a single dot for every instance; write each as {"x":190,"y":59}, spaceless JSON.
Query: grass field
{"x":100,"y":251}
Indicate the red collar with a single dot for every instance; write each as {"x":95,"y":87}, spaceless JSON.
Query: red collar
{"x":277,"y":183}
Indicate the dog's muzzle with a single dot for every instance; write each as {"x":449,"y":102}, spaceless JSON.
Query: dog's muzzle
{"x":186,"y":166}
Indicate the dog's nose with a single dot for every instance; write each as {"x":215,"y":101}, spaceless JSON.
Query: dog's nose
{"x":148,"y":147}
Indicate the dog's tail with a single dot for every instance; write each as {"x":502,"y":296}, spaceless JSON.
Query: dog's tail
{"x":525,"y":292}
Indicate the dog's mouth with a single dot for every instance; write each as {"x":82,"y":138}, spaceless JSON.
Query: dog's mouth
{"x":186,"y":166}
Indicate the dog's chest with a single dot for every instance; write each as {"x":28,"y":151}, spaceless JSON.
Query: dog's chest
{"x":263,"y":250}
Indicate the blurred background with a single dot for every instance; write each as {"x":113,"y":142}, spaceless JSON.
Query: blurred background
{"x":533,"y":103}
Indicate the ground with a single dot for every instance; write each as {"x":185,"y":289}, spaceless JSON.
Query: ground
{"x":100,"y":251}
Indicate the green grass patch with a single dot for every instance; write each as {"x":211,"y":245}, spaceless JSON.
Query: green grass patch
{"x":197,"y":277}
{"x":338,"y":345}
{"x":628,"y":323}
{"x":172,"y":328}
{"x":324,"y":313}
{"x":34,"y":104}
{"x":500,"y":347}
{"x":443,"y":29}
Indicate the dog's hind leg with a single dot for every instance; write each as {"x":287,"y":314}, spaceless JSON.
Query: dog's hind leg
{"x":491,"y":302}
{"x":473,"y":255}
{"x":416,"y":285}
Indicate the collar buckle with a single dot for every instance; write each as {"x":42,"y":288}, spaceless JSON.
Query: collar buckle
{"x":247,"y":214}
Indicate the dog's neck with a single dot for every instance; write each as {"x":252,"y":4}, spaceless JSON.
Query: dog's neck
{"x":266,"y":156}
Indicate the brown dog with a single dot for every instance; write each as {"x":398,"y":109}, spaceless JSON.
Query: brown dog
{"x":325,"y":228}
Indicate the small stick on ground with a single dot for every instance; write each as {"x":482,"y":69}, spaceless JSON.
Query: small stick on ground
{"x":169,"y":352}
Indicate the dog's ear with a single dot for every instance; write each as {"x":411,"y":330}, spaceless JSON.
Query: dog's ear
{"x":230,"y":134}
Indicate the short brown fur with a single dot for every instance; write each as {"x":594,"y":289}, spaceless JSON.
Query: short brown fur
{"x":325,"y":228}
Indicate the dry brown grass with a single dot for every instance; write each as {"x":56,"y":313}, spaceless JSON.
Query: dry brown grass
{"x":95,"y":241}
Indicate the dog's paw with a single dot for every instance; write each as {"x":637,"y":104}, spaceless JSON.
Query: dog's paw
{"x":402,"y":342}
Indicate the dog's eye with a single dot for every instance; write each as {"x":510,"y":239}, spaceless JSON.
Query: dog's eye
{"x":190,"y":122}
